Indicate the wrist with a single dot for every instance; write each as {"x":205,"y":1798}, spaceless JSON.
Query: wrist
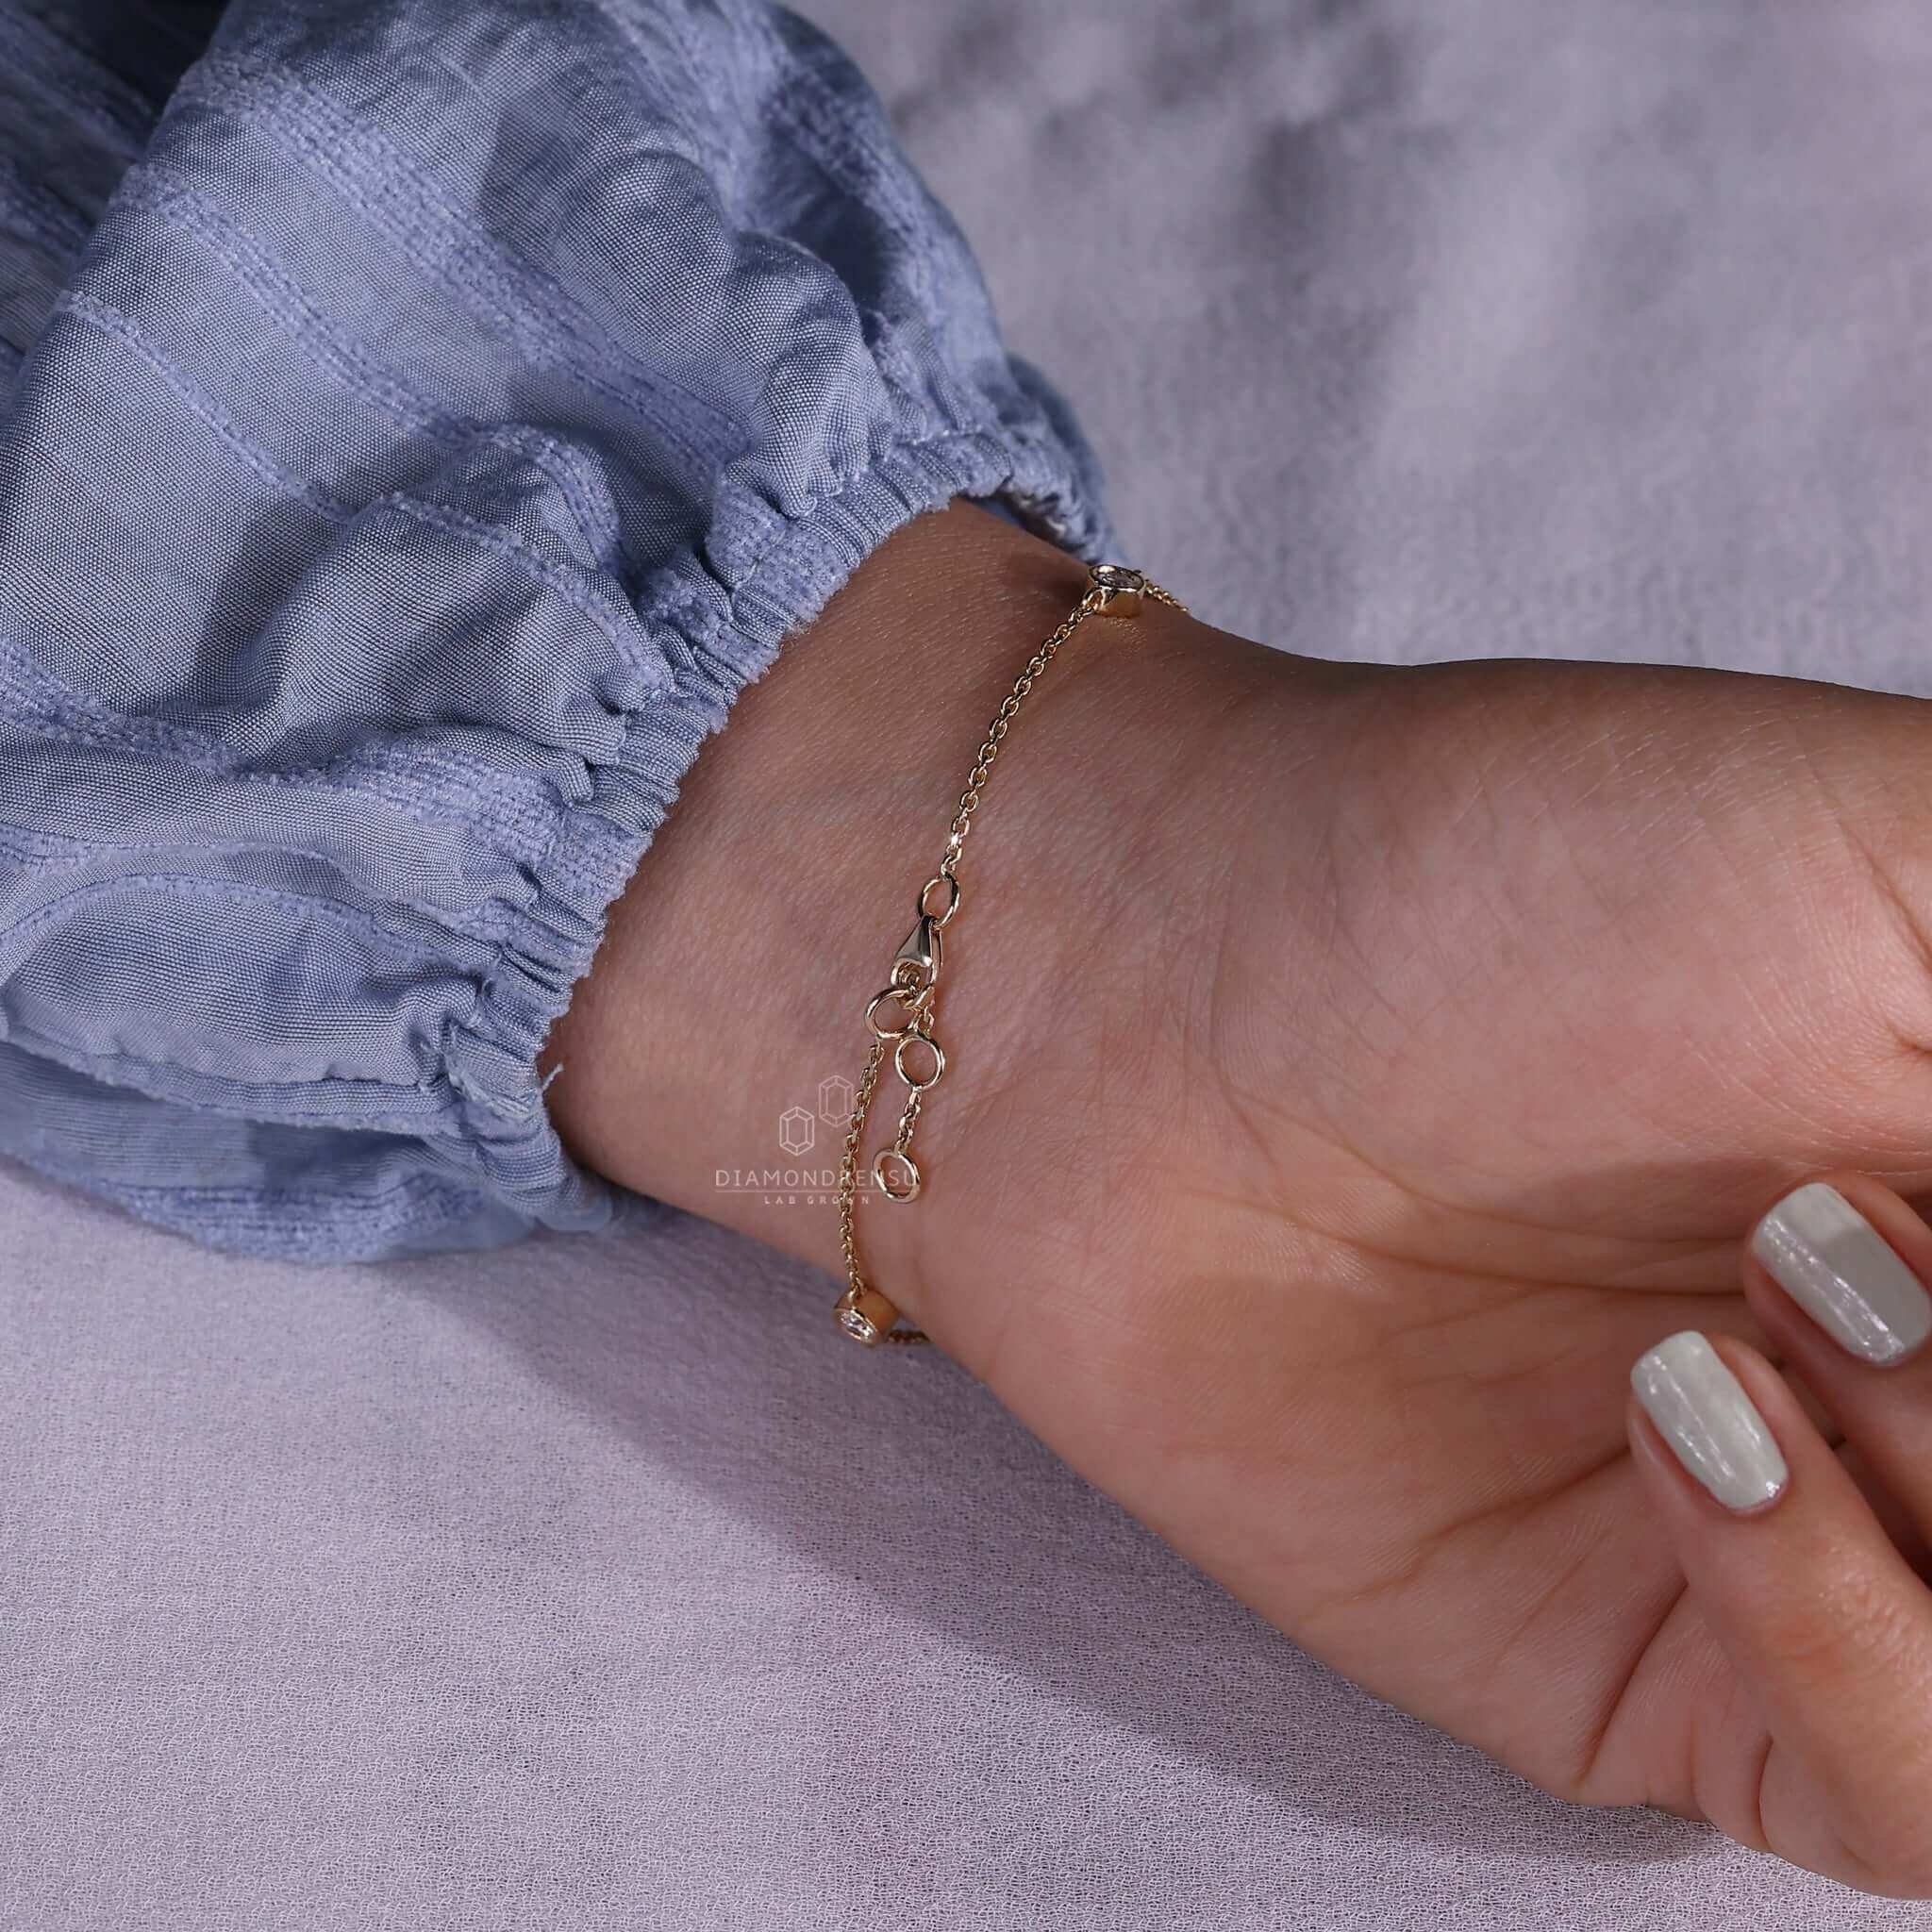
{"x":731,"y":985}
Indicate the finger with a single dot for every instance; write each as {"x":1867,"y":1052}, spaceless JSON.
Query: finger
{"x":1827,"y":1627}
{"x":1901,"y":1530}
{"x":1835,"y":1272}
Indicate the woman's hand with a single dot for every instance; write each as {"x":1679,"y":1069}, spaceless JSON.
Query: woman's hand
{"x":1351,"y":1073}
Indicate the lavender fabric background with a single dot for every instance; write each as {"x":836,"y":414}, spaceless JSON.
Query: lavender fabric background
{"x":538,"y":1589}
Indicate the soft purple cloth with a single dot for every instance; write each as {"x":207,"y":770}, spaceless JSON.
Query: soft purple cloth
{"x":587,"y":1586}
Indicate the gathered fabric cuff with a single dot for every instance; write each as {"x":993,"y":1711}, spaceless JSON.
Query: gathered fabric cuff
{"x":455,"y":407}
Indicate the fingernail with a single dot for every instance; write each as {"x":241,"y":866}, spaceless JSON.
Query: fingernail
{"x":1843,"y":1273}
{"x":1714,"y":1430}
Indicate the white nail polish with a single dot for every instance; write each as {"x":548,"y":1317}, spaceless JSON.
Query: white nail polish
{"x":1714,"y":1430}
{"x":1843,"y":1273}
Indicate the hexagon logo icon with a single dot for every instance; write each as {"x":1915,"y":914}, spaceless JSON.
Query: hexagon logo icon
{"x":797,"y":1130}
{"x":835,"y":1096}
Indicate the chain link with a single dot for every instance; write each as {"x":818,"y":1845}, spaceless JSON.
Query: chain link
{"x":863,"y":1312}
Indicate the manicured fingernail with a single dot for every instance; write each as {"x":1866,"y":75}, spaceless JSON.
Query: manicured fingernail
{"x":1714,"y":1430}
{"x":1843,"y":1273}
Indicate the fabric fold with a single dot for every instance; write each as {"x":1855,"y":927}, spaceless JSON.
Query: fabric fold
{"x":452,"y":409}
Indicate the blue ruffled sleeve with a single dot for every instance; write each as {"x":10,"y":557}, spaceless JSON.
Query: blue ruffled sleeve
{"x":452,"y":407}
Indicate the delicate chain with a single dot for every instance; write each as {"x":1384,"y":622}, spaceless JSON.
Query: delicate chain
{"x":901,"y":1017}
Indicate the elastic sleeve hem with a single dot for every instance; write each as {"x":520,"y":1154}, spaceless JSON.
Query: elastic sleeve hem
{"x":718,"y":639}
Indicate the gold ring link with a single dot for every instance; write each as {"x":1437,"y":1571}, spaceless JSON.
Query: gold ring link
{"x":913,"y":999}
{"x":940,"y":878}
{"x":939,"y":1061}
{"x":908,"y":1169}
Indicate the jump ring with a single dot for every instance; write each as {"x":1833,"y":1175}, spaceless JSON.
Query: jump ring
{"x":939,"y":1061}
{"x":952,"y":885}
{"x":913,"y":1000}
{"x":909,"y":1173}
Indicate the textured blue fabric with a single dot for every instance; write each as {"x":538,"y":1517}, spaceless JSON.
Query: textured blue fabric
{"x":425,"y":417}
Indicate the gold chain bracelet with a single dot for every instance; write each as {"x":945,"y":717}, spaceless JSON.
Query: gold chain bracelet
{"x":900,"y":1019}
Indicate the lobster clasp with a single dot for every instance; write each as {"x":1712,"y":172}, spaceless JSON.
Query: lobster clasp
{"x":921,"y":952}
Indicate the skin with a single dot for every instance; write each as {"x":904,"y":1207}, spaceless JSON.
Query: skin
{"x":1352,"y":1071}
